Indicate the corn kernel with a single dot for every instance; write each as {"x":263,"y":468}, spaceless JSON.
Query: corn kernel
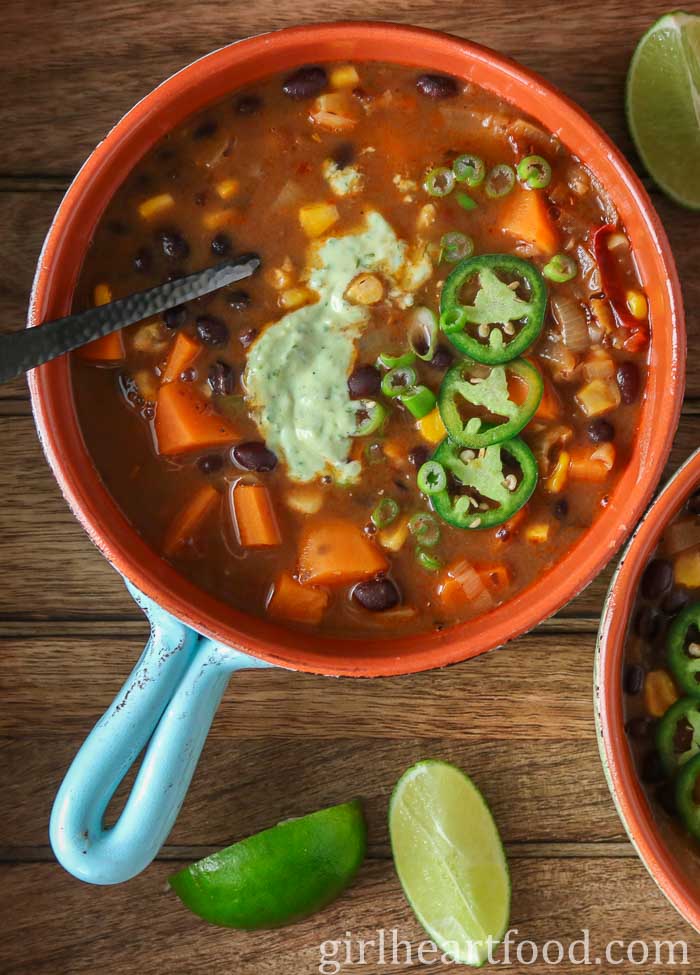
{"x":431,"y":427}
{"x":394,"y":537}
{"x":686,"y":569}
{"x":659,"y":693}
{"x":344,"y":76}
{"x":295,"y":298}
{"x":556,"y":482}
{"x":316,"y":218}
{"x":217,"y":219}
{"x":637,"y":305}
{"x":537,"y":532}
{"x":365,"y":289}
{"x":227,"y":188}
{"x":155,"y":205}
{"x":102,"y":294}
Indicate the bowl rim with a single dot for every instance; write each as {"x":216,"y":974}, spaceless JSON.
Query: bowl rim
{"x":102,"y":519}
{"x":622,"y":778}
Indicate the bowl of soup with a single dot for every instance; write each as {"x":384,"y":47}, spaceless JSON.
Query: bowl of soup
{"x":648,"y":691}
{"x":439,"y":407}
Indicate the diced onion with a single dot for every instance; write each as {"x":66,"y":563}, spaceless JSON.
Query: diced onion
{"x":572,"y":321}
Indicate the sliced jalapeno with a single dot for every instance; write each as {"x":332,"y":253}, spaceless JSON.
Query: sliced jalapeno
{"x":678,"y":734}
{"x":485,"y":482}
{"x":687,"y":791}
{"x":470,"y":386}
{"x":685,"y":666}
{"x":503,"y":325}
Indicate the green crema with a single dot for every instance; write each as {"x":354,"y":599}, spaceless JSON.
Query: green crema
{"x":296,"y":376}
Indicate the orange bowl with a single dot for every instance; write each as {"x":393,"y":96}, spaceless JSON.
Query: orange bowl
{"x":213,"y":77}
{"x":676,"y":882}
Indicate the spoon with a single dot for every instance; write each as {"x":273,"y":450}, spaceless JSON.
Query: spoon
{"x":20,"y":351}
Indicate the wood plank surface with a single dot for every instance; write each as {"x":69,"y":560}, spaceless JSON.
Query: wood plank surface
{"x":519,"y":720}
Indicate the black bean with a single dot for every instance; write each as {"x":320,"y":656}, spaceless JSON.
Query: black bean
{"x":343,"y":154}
{"x":437,"y":86}
{"x":419,"y":455}
{"x":248,"y":105}
{"x":364,"y":381}
{"x":693,"y":503}
{"x":652,"y":769}
{"x":174,"y":245}
{"x":221,"y":245}
{"x":442,"y":358}
{"x":175,"y":317}
{"x":200,"y":198}
{"x":189,"y":375}
{"x":561,"y":509}
{"x":254,"y":456}
{"x":646,"y":623}
{"x":238,"y":300}
{"x":628,"y":380}
{"x":376,"y":595}
{"x":221,"y":378}
{"x":210,"y":463}
{"x":118,"y":228}
{"x":143,"y":260}
{"x":601,"y":431}
{"x":666,"y":797}
{"x":361,"y":95}
{"x":639,"y":728}
{"x":248,"y":337}
{"x":674,"y":602}
{"x":305,"y":83}
{"x":633,"y":679}
{"x":657,"y":579}
{"x":212,"y":331}
{"x":205,"y":129}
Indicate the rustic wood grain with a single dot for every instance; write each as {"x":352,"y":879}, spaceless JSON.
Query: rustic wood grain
{"x":140,"y":928}
{"x":519,"y":719}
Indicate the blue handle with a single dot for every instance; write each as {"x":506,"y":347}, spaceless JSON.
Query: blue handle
{"x":170,"y":697}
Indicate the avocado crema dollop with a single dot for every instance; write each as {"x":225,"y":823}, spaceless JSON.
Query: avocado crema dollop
{"x":297,"y":370}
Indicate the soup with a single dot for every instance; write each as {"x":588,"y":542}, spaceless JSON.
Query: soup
{"x":661,"y":682}
{"x":426,"y":394}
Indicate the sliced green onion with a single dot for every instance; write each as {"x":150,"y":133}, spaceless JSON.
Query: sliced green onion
{"x":385,"y":512}
{"x":561,"y":268}
{"x":469,"y":169}
{"x":455,"y":246}
{"x":422,"y":330}
{"x":425,"y":527}
{"x":428,"y":561}
{"x":398,"y":381}
{"x":393,"y":361}
{"x":453,"y":320}
{"x":439,"y":181}
{"x":370,"y":417}
{"x":465,"y":201}
{"x":432,"y":478}
{"x":535,"y":172}
{"x":419,"y":400}
{"x":500,"y":181}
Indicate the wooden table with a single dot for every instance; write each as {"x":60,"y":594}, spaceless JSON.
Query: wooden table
{"x":519,"y":720}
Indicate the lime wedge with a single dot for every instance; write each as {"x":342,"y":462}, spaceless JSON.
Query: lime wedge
{"x":663,"y":105}
{"x":280,"y":875}
{"x":450,"y":860}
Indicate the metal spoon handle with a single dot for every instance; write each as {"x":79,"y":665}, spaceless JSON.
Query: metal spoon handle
{"x":20,"y":351}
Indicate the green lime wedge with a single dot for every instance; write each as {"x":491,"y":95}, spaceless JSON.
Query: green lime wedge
{"x":663,"y":105}
{"x":280,"y":875}
{"x":450,"y":860}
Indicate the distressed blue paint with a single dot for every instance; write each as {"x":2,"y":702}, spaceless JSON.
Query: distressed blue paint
{"x":170,"y":697}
